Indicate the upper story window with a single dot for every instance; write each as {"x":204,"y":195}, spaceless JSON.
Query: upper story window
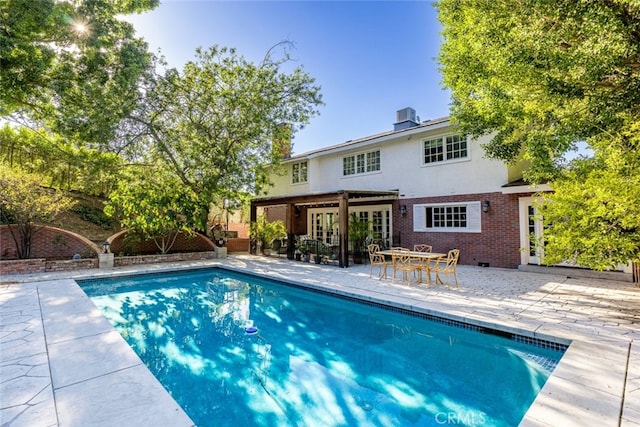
{"x":299,"y":172}
{"x":445,"y":148}
{"x":361,"y":163}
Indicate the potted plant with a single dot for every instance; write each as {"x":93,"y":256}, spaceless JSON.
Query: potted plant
{"x":358,"y":234}
{"x":265,"y":232}
{"x":304,"y":248}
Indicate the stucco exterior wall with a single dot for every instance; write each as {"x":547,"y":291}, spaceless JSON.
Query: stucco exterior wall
{"x":402,"y":168}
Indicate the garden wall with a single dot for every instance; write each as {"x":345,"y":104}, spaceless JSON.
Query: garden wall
{"x":41,"y":265}
{"x":122,"y":261}
{"x":121,"y":246}
{"x":50,"y":243}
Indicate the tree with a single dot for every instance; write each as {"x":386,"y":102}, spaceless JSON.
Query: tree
{"x":70,"y":65}
{"x":593,"y":218}
{"x":58,"y":162}
{"x":24,"y":203}
{"x":541,"y":76}
{"x":156,"y":206}
{"x":219,"y":124}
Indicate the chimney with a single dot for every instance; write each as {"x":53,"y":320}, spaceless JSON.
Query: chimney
{"x":405,"y":118}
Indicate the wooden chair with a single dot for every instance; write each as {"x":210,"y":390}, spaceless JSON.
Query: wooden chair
{"x":422,"y":248}
{"x":447,"y":266}
{"x":402,"y":261}
{"x":376,"y":259}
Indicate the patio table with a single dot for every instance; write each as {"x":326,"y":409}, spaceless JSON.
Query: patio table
{"x":425,"y":257}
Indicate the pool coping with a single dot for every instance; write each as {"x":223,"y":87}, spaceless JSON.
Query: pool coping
{"x":579,"y":391}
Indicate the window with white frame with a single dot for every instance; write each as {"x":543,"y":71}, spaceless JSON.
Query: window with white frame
{"x":461,"y":217}
{"x":299,"y":172}
{"x":361,"y":163}
{"x":445,"y":148}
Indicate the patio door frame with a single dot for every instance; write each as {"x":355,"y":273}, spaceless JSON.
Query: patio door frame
{"x":530,"y":225}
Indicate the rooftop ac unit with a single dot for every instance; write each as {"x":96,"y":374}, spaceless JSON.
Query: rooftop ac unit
{"x":406,"y":114}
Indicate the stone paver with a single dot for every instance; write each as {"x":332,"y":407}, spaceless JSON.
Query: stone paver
{"x":61,"y":363}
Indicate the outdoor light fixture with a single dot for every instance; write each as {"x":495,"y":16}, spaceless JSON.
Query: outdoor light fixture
{"x":403,"y":210}
{"x":105,"y":246}
{"x":485,"y":206}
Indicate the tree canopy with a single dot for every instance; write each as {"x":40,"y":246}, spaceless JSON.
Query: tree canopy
{"x":220,"y":123}
{"x":155,"y":205}
{"x":541,"y":74}
{"x":25,"y":203}
{"x":70,"y":65}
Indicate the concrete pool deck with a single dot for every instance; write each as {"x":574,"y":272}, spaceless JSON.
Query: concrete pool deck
{"x":63,"y":364}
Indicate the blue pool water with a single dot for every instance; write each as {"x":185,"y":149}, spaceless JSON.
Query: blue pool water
{"x":316,"y":359}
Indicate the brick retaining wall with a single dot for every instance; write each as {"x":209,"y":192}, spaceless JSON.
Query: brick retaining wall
{"x":151,"y":259}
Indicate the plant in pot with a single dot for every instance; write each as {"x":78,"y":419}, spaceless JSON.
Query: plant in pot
{"x":304,"y":248}
{"x":265,"y":232}
{"x":358,"y":234}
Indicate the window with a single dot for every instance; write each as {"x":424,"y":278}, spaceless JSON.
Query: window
{"x":447,"y":217}
{"x":299,"y":172}
{"x":361,"y":163}
{"x":461,"y":217}
{"x":445,"y":148}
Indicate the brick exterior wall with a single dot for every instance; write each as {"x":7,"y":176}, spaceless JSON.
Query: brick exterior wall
{"x":237,"y":245}
{"x":498,"y":244}
{"x":50,"y":243}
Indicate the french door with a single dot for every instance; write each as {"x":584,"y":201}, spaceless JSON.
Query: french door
{"x":531,"y":232}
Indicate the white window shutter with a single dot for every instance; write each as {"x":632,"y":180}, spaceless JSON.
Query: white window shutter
{"x":419,"y":218}
{"x":474,"y":217}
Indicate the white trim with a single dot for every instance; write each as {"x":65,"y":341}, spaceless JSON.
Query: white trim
{"x":527,"y":189}
{"x":474,"y":218}
{"x":445,"y":161}
{"x":523,"y":209}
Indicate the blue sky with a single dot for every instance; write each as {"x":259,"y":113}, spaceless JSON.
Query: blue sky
{"x":370,"y":58}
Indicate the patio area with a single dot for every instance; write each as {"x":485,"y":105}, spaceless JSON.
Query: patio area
{"x":62,"y":364}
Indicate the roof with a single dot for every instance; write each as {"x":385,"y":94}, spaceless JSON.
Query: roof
{"x":370,"y":139}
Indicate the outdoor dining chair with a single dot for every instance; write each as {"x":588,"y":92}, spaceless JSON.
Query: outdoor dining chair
{"x":402,"y":261}
{"x":447,"y":266}
{"x":377,"y":260}
{"x":422,"y":248}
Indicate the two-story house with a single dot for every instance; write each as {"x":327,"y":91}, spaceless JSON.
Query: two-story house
{"x":421,"y":182}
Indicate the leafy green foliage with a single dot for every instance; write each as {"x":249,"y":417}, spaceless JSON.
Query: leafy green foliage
{"x":593,"y":218}
{"x":156,"y":206}
{"x":359,"y":231}
{"x":266,"y":232}
{"x":60,"y":163}
{"x":25,"y":203}
{"x":73,"y":66}
{"x":218,"y":123}
{"x":93,"y":215}
{"x":539,"y":76}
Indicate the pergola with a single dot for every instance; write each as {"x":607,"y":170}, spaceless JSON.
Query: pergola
{"x":340,"y":198}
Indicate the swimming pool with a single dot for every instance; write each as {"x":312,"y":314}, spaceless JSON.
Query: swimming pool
{"x":315,"y":359}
